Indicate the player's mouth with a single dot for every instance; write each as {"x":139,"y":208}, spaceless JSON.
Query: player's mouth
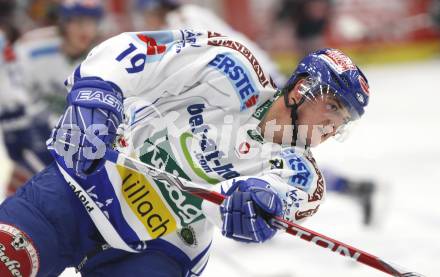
{"x":326,"y":131}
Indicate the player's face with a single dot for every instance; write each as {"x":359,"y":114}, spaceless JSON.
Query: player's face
{"x":320,"y":115}
{"x":320,"y":119}
{"x":80,"y":33}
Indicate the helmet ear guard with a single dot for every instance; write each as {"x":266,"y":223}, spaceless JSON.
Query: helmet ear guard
{"x":293,"y":106}
{"x":289,"y":87}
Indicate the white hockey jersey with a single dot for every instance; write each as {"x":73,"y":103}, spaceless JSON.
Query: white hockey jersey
{"x":12,"y":95}
{"x":200,"y":18}
{"x":43,"y":68}
{"x":193,"y":101}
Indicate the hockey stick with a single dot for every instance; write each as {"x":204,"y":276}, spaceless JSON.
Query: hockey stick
{"x":205,"y":193}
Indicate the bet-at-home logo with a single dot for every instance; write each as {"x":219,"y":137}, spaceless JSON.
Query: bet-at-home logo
{"x":207,"y":157}
{"x":186,"y":206}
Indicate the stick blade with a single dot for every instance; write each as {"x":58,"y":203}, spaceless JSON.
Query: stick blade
{"x":399,"y":271}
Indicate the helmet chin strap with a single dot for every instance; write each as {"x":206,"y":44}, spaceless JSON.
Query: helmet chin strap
{"x":294,"y":115}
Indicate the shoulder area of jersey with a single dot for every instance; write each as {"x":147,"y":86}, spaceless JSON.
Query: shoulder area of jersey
{"x":44,"y":33}
{"x":39,"y":42}
{"x":196,"y":10}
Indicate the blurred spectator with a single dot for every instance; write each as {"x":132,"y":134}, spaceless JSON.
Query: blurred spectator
{"x":7,"y":25}
{"x":43,"y":12}
{"x":309,"y":19}
{"x":435,"y":12}
{"x":11,"y":97}
{"x":171,"y":14}
{"x":45,"y":57}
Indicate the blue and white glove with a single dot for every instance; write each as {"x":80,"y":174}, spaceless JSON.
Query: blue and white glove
{"x":88,"y":126}
{"x":246,"y":209}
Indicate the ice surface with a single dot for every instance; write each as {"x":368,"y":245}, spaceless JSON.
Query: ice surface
{"x":397,"y":144}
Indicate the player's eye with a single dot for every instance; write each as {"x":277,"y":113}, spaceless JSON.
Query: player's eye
{"x":331,"y":107}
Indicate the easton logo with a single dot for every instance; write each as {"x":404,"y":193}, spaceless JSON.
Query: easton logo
{"x":107,"y":99}
{"x":344,"y":251}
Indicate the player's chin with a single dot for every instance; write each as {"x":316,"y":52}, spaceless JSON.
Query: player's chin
{"x":317,"y":140}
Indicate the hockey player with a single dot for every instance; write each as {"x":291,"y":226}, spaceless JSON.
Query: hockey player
{"x":44,"y":57}
{"x":11,"y":107}
{"x":12,"y":97}
{"x":200,"y":106}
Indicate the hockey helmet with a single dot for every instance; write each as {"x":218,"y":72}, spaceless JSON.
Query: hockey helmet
{"x":330,"y":71}
{"x":74,"y":8}
{"x":155,"y":4}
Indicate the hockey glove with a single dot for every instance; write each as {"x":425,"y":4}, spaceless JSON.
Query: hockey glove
{"x":246,"y":209}
{"x":88,"y":126}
